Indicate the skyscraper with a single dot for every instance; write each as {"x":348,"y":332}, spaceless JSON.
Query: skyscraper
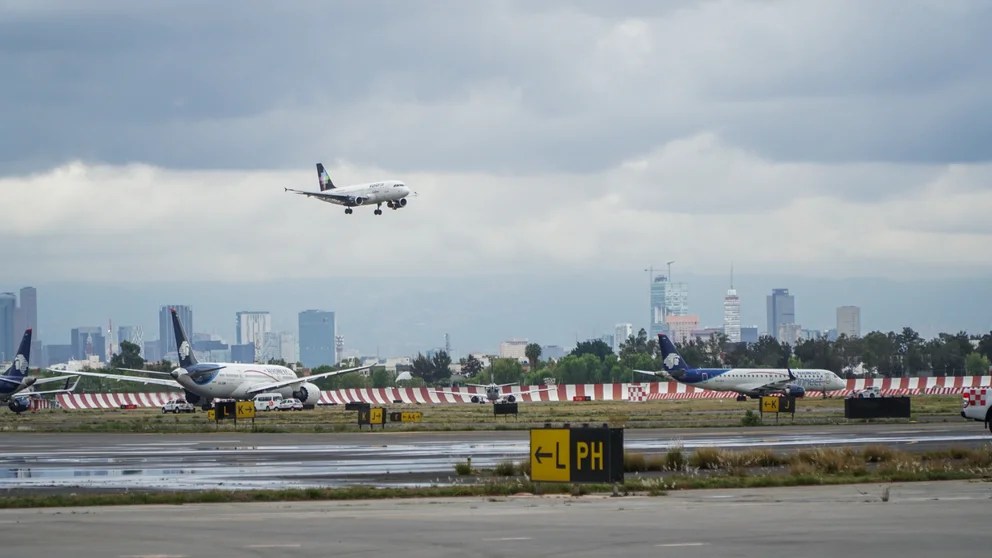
{"x":88,"y":341}
{"x":732,"y":313}
{"x":621,"y":333}
{"x":8,"y":307}
{"x":28,"y":315}
{"x":849,"y":321}
{"x":166,"y":333}
{"x":317,"y":332}
{"x":667,"y":299}
{"x":252,"y":327}
{"x":781,"y":311}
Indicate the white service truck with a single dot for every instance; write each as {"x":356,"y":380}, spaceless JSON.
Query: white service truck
{"x":977,"y":405}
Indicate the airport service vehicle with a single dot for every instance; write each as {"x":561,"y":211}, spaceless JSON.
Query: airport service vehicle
{"x":178,"y":406}
{"x":868,"y":393}
{"x":290,"y":404}
{"x":267,"y":401}
{"x":977,"y":405}
{"x":747,"y":382}
{"x":393,"y":193}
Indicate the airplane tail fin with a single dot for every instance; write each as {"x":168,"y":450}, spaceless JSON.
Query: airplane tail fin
{"x":671,"y":359}
{"x":186,"y":357}
{"x":19,"y":368}
{"x":323,"y":178}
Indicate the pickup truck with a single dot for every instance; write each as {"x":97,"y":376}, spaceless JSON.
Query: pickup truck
{"x":977,"y":405}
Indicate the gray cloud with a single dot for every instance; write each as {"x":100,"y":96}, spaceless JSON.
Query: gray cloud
{"x":498,"y":87}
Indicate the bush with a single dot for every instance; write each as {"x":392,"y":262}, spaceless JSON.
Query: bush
{"x":675,"y":459}
{"x":878,"y":453}
{"x":505,"y":469}
{"x":751,"y":418}
{"x":706,"y":458}
{"x":463,"y":468}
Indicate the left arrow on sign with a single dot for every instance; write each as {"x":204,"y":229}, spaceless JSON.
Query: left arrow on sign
{"x":538,"y":454}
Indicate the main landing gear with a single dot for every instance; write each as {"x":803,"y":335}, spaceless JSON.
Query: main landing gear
{"x":378,"y":209}
{"x":347,"y":211}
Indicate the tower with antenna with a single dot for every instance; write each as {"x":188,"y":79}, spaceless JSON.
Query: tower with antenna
{"x":732,"y":312}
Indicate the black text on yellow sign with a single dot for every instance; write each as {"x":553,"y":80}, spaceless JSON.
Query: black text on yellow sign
{"x":778,"y":404}
{"x":586,"y":454}
{"x":246,"y":410}
{"x":769,"y":404}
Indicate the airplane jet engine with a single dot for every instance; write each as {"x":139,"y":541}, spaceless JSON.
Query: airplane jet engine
{"x":793,"y":390}
{"x":307,"y":393}
{"x":19,"y":404}
{"x":401,"y":202}
{"x":359,"y":200}
{"x":476,"y":399}
{"x":511,"y":398}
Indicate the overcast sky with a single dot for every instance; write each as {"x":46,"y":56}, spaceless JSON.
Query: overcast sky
{"x":147,"y":141}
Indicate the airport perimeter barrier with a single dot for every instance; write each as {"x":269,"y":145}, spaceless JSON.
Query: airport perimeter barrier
{"x":639,"y":391}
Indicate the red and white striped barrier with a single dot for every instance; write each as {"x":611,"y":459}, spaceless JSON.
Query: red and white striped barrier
{"x":562,"y":392}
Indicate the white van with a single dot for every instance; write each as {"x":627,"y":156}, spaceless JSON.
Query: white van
{"x":267,"y":401}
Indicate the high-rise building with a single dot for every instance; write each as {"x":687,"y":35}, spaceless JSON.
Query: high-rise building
{"x":667,"y":299}
{"x":513,"y":348}
{"x":166,"y":333}
{"x":88,"y":341}
{"x":27,"y":317}
{"x":131,"y":334}
{"x":732,"y":313}
{"x":288,"y":347}
{"x":849,"y":321}
{"x":243,"y":353}
{"x":749,"y":334}
{"x":252,"y":326}
{"x":272,"y":347}
{"x":8,"y":307}
{"x":680,"y":328}
{"x":781,"y":311}
{"x":317,"y":333}
{"x":621,"y":333}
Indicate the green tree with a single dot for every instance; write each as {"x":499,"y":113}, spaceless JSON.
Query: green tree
{"x":533,"y":353}
{"x":380,"y":378}
{"x":977,"y":364}
{"x":440,"y":367}
{"x":129,"y":357}
{"x":596,"y":347}
{"x":506,"y":371}
{"x":471,"y":366}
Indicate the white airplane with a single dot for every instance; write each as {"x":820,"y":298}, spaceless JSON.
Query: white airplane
{"x":17,"y":388}
{"x":747,"y":382}
{"x":204,"y":381}
{"x":495,"y":393}
{"x":393,"y":193}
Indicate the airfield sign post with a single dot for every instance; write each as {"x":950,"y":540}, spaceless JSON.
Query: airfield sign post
{"x":777,"y":404}
{"x":581,"y":454}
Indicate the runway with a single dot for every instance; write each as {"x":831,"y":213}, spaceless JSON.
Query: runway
{"x":251,"y":461}
{"x":919,"y":519}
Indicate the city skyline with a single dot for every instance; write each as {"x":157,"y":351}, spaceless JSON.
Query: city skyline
{"x":513,"y":307}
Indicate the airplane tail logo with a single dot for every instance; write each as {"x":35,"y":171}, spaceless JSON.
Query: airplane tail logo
{"x":19,"y":368}
{"x":323,"y":178}
{"x":673,"y":362}
{"x":186,"y":357}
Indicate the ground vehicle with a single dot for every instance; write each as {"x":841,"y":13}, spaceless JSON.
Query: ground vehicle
{"x":868,"y":393}
{"x":290,"y":404}
{"x":178,"y":406}
{"x":977,"y":405}
{"x":267,"y":401}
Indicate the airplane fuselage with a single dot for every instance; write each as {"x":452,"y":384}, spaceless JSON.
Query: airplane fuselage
{"x":751,"y":380}
{"x":372,"y":193}
{"x":234,"y":380}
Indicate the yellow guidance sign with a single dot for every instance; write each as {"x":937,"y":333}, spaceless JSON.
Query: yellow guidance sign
{"x":245,"y":410}
{"x":769,"y":404}
{"x":550,"y":455}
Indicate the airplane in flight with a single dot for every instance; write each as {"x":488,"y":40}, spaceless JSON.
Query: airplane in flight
{"x":205,"y":381}
{"x":17,"y":388}
{"x":393,"y":193}
{"x":747,"y":382}
{"x":495,"y":393}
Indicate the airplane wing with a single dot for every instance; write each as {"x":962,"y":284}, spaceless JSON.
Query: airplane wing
{"x":464,"y":394}
{"x":143,"y":371}
{"x":772,"y":387}
{"x":41,"y":381}
{"x":549,"y":388}
{"x":66,"y":389}
{"x":657,"y":373}
{"x":121,"y":377}
{"x":276,"y":385}
{"x":338,"y":198}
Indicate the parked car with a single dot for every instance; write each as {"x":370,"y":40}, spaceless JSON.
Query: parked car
{"x":178,"y":406}
{"x":868,"y":393}
{"x":267,"y":401}
{"x":290,"y":404}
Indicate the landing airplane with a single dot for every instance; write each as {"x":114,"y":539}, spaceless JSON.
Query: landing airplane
{"x":17,"y":388}
{"x":204,"y":381}
{"x":391,"y":192}
{"x":747,"y":382}
{"x":494,"y":393}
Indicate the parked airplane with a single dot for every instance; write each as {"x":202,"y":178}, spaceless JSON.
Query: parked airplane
{"x":203,"y":381}
{"x":747,"y":382}
{"x":393,"y":193}
{"x":495,"y":394}
{"x":17,"y":388}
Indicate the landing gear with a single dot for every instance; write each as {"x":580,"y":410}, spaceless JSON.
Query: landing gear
{"x":378,"y":209}
{"x":742,"y":397}
{"x":347,"y":211}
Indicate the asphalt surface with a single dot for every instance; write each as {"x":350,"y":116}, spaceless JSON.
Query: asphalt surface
{"x":918,"y":519}
{"x":113,"y":461}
